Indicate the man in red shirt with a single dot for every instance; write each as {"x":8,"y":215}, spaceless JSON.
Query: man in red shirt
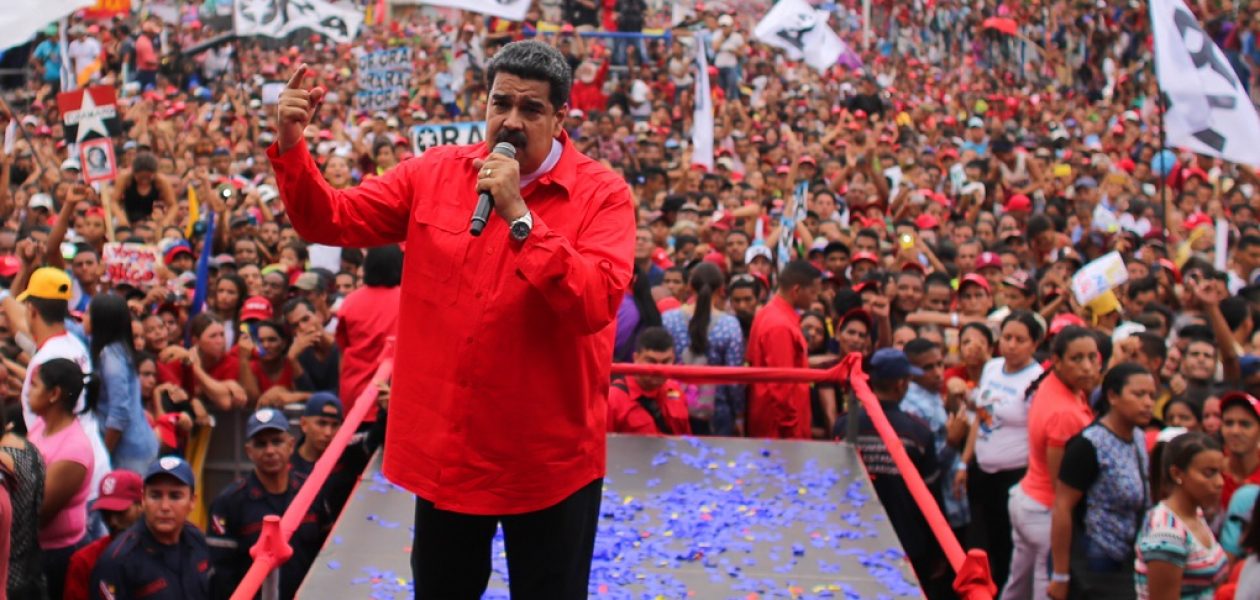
{"x":499,"y":395}
{"x":367,"y":318}
{"x":119,"y":505}
{"x":649,"y":404}
{"x":781,"y":410}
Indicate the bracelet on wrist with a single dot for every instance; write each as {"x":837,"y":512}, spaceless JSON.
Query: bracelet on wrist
{"x":1060,"y":577}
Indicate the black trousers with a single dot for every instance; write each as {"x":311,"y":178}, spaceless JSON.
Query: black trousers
{"x":987,"y":494}
{"x":548,"y":551}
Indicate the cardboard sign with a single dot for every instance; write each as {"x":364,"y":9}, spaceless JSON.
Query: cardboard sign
{"x":133,"y":264}
{"x":89,"y":113}
{"x":424,"y":137}
{"x":384,"y":77}
{"x":1100,"y":276}
{"x":96,"y":158}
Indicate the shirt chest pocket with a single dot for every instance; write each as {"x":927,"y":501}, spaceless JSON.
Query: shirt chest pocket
{"x":441,"y":245}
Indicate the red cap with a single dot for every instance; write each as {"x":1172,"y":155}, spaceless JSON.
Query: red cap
{"x":1243,"y":398}
{"x":660,"y":257}
{"x":1064,"y":320}
{"x":914,"y":265}
{"x":1196,"y":221}
{"x":1018,"y":203}
{"x":782,"y":170}
{"x":256,"y":307}
{"x":864,"y":256}
{"x":716,"y":258}
{"x":926,"y":221}
{"x":987,"y":260}
{"x":807,"y":159}
{"x":119,"y":490}
{"x":1172,"y":268}
{"x":9,"y":265}
{"x":976,"y":279}
{"x":1126,"y":164}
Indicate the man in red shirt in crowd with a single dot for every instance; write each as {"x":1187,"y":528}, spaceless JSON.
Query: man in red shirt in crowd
{"x":781,"y":410}
{"x":367,"y":318}
{"x":649,"y":404}
{"x":500,"y":391}
{"x":119,"y":505}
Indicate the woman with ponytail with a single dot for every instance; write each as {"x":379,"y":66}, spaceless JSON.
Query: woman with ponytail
{"x":1058,"y":411}
{"x":998,"y":437}
{"x":704,"y":334}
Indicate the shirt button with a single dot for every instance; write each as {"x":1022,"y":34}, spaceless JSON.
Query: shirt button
{"x":468,"y":339}
{"x":489,"y":251}
{"x":477,"y":295}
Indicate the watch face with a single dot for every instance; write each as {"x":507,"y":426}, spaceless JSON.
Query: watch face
{"x":520,"y":230}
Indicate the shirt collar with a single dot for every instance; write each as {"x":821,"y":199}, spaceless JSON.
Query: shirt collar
{"x":564,"y":173}
{"x":781,"y":305}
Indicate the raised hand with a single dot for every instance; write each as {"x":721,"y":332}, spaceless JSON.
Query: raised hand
{"x":295,"y":109}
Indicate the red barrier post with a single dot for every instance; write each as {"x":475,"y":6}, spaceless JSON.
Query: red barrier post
{"x":272,"y":549}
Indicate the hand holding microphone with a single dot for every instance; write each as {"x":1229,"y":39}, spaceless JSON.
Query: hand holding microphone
{"x":499,"y":185}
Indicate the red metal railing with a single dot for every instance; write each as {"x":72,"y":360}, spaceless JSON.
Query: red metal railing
{"x":272,"y":548}
{"x":972,"y":582}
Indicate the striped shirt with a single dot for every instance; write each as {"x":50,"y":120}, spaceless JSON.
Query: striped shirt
{"x":1165,"y":537}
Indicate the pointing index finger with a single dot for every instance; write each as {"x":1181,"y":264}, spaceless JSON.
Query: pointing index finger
{"x":295,"y":82}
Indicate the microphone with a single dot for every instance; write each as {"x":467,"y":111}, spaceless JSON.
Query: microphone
{"x":485,"y":201}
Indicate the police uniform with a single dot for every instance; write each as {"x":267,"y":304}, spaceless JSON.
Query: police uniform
{"x":236,"y":519}
{"x":137,"y":565}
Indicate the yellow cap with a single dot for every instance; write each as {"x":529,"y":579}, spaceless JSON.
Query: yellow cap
{"x":1104,"y":304}
{"x":47,"y":283}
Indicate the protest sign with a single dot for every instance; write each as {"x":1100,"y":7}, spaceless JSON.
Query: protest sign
{"x":424,"y":137}
{"x":96,"y":160}
{"x":1100,"y":276}
{"x":132,"y":264}
{"x":89,"y":113}
{"x":384,"y":77}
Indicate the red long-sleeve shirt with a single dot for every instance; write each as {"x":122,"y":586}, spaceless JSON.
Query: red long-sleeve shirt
{"x":778,"y":410}
{"x":626,"y":415}
{"x":504,"y":348}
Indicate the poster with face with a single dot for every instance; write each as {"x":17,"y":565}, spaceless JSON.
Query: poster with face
{"x":97,"y":159}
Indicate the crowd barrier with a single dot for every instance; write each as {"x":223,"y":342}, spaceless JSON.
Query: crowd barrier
{"x":972,"y":580}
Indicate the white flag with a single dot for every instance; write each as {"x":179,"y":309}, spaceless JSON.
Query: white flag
{"x":798,"y":29}
{"x":702,"y":122}
{"x":279,"y":18}
{"x":22,"y":19}
{"x":512,"y":10}
{"x":1208,"y":111}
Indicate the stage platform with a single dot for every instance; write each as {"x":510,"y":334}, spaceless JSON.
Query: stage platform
{"x":703,"y":518}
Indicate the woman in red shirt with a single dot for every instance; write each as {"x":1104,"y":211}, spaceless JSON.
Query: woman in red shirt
{"x":1059,"y":410}
{"x":272,"y":370}
{"x":207,"y":369}
{"x":1240,"y":429}
{"x":975,"y":348}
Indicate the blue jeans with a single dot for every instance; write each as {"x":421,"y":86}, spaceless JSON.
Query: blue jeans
{"x":729,"y":80}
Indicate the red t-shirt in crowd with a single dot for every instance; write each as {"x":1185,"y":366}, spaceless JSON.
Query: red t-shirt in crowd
{"x":368,"y":317}
{"x":1056,"y":414}
{"x":1232,"y":485}
{"x":627,"y":415}
{"x":778,"y":410}
{"x":285,"y":379}
{"x":79,"y":574}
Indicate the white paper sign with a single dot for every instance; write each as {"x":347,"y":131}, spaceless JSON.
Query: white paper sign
{"x":1101,"y":275}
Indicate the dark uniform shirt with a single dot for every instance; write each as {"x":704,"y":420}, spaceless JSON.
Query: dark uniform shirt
{"x":136,"y":565}
{"x":236,"y":519}
{"x":345,"y":473}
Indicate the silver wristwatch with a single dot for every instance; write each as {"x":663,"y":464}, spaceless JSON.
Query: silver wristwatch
{"x":521,"y":227}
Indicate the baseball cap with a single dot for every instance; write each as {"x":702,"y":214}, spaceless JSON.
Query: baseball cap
{"x":307,"y":282}
{"x":265,"y":419}
{"x":10,"y":265}
{"x":1241,"y":399}
{"x":726,"y":20}
{"x":223,"y":259}
{"x":975,"y":122}
{"x":41,"y":200}
{"x":47,"y":283}
{"x":755,"y":251}
{"x":175,"y":250}
{"x":1249,"y":364}
{"x":975,"y":279}
{"x":1021,"y":281}
{"x":70,"y":164}
{"x":1064,"y":320}
{"x":988,"y":260}
{"x":119,"y":490}
{"x":256,"y":307}
{"x":891,"y":363}
{"x":319,"y":403}
{"x":172,"y":466}
{"x":864,"y":256}
{"x":926,"y":221}
{"x":1018,"y":203}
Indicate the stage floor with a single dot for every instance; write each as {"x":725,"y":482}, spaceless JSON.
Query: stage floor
{"x":702,"y":518}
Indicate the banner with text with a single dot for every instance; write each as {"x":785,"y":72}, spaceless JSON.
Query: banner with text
{"x":424,"y":137}
{"x":383,"y":77}
{"x":132,"y":264}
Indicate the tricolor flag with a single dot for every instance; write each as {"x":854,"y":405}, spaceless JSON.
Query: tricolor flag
{"x":1208,"y":110}
{"x":702,"y":122}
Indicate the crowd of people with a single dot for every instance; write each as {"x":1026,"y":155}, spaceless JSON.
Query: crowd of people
{"x":926,"y":210}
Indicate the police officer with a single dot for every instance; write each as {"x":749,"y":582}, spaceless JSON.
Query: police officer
{"x":320,"y":422}
{"x":236,"y":516}
{"x":161,"y":557}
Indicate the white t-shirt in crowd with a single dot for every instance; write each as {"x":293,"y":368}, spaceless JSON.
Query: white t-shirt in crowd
{"x":1002,"y":441}
{"x":82,"y":52}
{"x":69,"y":347}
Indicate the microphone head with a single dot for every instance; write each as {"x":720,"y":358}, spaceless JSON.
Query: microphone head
{"x":506,"y":149}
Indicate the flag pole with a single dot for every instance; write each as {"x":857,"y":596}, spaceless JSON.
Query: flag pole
{"x":1163,"y":179}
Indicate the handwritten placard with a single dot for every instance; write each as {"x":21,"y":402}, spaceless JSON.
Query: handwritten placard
{"x":132,"y":264}
{"x":1100,"y":276}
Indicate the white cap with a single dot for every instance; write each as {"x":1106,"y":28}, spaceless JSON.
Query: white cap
{"x":70,"y":163}
{"x":1169,"y":434}
{"x":755,"y":251}
{"x":268,"y":192}
{"x":725,"y":20}
{"x":40,"y":200}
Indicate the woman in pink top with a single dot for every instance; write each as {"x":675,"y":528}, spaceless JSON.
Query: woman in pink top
{"x":1059,"y":410}
{"x":60,"y":437}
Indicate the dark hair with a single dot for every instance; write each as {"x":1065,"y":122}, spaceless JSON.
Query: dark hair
{"x":1152,"y":346}
{"x":654,"y":339}
{"x":537,"y":61}
{"x":50,"y":311}
{"x":740,"y":282}
{"x":1038,"y":224}
{"x":1180,"y":452}
{"x":1059,"y":347}
{"x":705,"y":279}
{"x":1251,"y":540}
{"x":797,"y":273}
{"x":111,"y":324}
{"x":1195,"y":406}
{"x":1113,"y":383}
{"x":292,"y":304}
{"x":299,"y":248}
{"x":280,"y":329}
{"x":833,"y":247}
{"x":919,"y":347}
{"x":144,"y":162}
{"x":980,"y":328}
{"x":66,"y":376}
{"x":1235,"y":310}
{"x":200,"y":323}
{"x":242,"y":292}
{"x":1027,"y":319}
{"x":383,"y":266}
{"x":1145,"y":284}
{"x":641,"y":292}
